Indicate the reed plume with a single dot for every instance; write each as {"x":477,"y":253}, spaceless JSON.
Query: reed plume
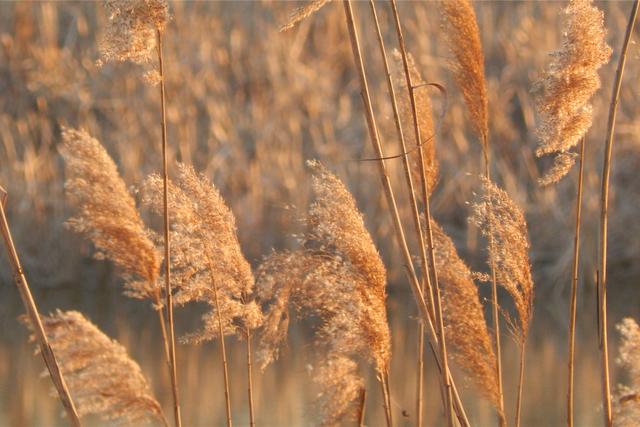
{"x":504,"y":225}
{"x":627,"y":402}
{"x":425,"y":118}
{"x":465,"y":325}
{"x":207,"y":263}
{"x":130,"y":34}
{"x":106,"y":214}
{"x":339,"y":278}
{"x":463,"y":39}
{"x":568,"y":84}
{"x":302,"y":13}
{"x":101,"y":376}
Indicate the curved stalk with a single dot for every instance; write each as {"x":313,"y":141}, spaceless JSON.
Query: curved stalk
{"x":604,"y":206}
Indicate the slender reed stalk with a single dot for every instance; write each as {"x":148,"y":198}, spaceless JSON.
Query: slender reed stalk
{"x":35,"y":319}
{"x":167,"y":242}
{"x":373,"y":133}
{"x":520,"y":383}
{"x":604,"y":206}
{"x":426,"y":288}
{"x":362,"y":406}
{"x":574,"y":286}
{"x":427,"y":210}
{"x":252,"y":419}
{"x":386,"y":400}
{"x":223,"y":356}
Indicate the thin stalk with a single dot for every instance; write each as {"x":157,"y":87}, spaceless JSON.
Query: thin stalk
{"x":426,"y":288}
{"x":427,"y":210}
{"x":223,"y":354}
{"x":252,"y":421}
{"x":604,"y":206}
{"x":163,"y":327}
{"x":167,"y":243}
{"x":386,"y":400}
{"x":494,"y":297}
{"x":520,"y":382}
{"x":574,"y":287}
{"x":389,"y":194}
{"x":36,"y":322}
{"x":362,"y":406}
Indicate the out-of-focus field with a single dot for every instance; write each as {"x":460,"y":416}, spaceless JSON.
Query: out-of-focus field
{"x":248,"y":105}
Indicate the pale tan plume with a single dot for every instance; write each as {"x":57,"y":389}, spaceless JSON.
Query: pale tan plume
{"x":568,"y":84}
{"x":101,"y":376}
{"x":627,"y":399}
{"x":302,"y":13}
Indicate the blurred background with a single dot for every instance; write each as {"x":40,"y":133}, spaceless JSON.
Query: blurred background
{"x":248,"y":105}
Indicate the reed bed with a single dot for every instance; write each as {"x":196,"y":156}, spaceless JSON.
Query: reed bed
{"x":174,"y":139}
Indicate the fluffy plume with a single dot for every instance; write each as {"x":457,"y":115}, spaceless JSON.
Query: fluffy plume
{"x":465,"y":325}
{"x":568,"y":84}
{"x":107,"y":214}
{"x":102,"y":379}
{"x":463,"y":37}
{"x":206,"y":254}
{"x":302,"y":13}
{"x":502,"y":221}
{"x":425,"y":118}
{"x":338,"y":278}
{"x":627,"y":403}
{"x":131,"y":31}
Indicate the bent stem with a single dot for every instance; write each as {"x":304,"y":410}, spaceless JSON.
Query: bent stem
{"x":574,"y":287}
{"x":604,"y":206}
{"x":167,"y":244}
{"x":426,"y":288}
{"x":32,"y":312}
{"x":391,"y":201}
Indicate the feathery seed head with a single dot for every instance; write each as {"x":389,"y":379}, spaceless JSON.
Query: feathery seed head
{"x":463,"y":37}
{"x":106,"y":212}
{"x":101,"y":377}
{"x":627,"y":402}
{"x":132,"y":27}
{"x":503,"y":223}
{"x":569,"y":83}
{"x":302,"y":13}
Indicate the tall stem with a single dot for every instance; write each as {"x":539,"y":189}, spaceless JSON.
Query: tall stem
{"x":388,"y":190}
{"x":362,"y":406}
{"x":494,"y":293}
{"x":167,"y":243}
{"x":252,"y":421}
{"x":604,"y":206}
{"x":427,"y":211}
{"x":223,"y":354}
{"x":415,"y":215}
{"x":574,"y":287}
{"x":520,"y":382}
{"x":386,"y":400}
{"x":34,"y":317}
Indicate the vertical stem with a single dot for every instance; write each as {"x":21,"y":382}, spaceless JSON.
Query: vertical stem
{"x":415,"y":215}
{"x":167,"y":243}
{"x":223,"y":354}
{"x":386,"y":399}
{"x":520,"y":382}
{"x":388,"y":190}
{"x":361,"y":406}
{"x":36,"y":322}
{"x":604,"y":205}
{"x":494,"y":294}
{"x":252,"y":421}
{"x":425,"y":195}
{"x":574,"y":287}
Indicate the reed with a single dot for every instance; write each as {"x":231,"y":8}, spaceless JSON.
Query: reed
{"x":35,"y":320}
{"x":604,"y":208}
{"x":102,"y":378}
{"x":135,"y":29}
{"x":627,"y":403}
{"x":567,"y":87}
